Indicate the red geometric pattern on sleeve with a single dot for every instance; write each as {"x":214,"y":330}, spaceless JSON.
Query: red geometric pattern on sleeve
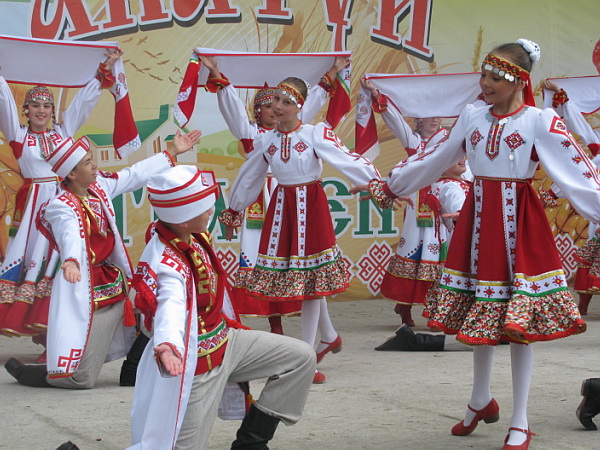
{"x":330,"y":135}
{"x":114,"y":175}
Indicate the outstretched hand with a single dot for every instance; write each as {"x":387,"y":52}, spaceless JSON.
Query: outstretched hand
{"x":71,"y":271}
{"x":399,"y":200}
{"x":361,"y":188}
{"x":184,"y":143}
{"x":452,"y":216}
{"x":169,"y":359}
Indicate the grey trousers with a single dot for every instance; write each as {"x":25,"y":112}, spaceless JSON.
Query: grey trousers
{"x":104,"y":325}
{"x":288,"y":364}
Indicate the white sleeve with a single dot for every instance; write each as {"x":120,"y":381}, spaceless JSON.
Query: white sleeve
{"x":329,"y":148}
{"x":394,"y":120}
{"x":171,"y":313}
{"x":577,"y":124}
{"x":234,"y":112}
{"x":65,"y":230}
{"x":568,"y":165}
{"x":419,"y":171}
{"x":81,"y":107}
{"x":452,"y":197}
{"x":135,"y":176}
{"x":250,"y":179}
{"x":317,"y":97}
{"x":9,"y":114}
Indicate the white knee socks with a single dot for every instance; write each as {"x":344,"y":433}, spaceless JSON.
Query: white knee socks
{"x":315,"y":317}
{"x":483,"y":359}
{"x":521,"y":361}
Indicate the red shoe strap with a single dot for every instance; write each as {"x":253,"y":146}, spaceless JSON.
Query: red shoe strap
{"x":522,"y":430}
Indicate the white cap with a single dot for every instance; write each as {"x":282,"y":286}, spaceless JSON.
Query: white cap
{"x":67,"y":155}
{"x":182,"y":193}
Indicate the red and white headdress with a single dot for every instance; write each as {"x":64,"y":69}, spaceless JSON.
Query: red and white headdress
{"x":67,"y":155}
{"x":291,"y":93}
{"x":182,"y":193}
{"x":38,"y":93}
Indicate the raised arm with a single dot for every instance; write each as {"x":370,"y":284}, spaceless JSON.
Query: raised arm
{"x":573,"y":117}
{"x":9,"y":114}
{"x":392,"y":118}
{"x":320,"y":92}
{"x":231,"y":106}
{"x":136,"y":176}
{"x":87,"y":97}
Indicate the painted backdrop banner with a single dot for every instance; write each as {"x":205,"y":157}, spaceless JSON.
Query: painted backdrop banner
{"x":384,"y":36}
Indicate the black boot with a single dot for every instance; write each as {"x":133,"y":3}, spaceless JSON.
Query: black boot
{"x":130,"y":365}
{"x":428,"y":343}
{"x":67,"y":446}
{"x":407,"y":341}
{"x":590,"y":405}
{"x":256,"y":430}
{"x":32,"y":376}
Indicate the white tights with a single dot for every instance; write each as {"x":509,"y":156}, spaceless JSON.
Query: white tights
{"x":315,"y":318}
{"x":521,"y":357}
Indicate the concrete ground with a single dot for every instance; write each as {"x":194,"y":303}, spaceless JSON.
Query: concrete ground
{"x":371,"y":400}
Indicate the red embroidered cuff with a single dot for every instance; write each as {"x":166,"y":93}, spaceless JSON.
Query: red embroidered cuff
{"x":172,"y":159}
{"x":73,"y":260}
{"x":214,"y":85}
{"x":380,"y":104}
{"x":559,"y":98}
{"x":105,"y":76}
{"x":384,"y":198}
{"x":231,"y":218}
{"x":548,"y":199}
{"x":328,"y":84}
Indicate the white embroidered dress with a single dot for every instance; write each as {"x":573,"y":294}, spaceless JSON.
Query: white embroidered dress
{"x":503,"y":274}
{"x":297,"y":258}
{"x":28,"y":268}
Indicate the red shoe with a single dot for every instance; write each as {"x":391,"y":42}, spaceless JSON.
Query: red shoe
{"x":333,"y":347}
{"x":524,"y":445}
{"x":319,"y":378}
{"x":41,"y":359}
{"x":489,"y":414}
{"x":405,"y":314}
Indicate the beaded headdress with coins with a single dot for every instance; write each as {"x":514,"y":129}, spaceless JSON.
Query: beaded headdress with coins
{"x":38,"y":93}
{"x":263,"y":96}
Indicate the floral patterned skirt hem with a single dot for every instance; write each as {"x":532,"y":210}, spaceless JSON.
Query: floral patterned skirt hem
{"x":293,"y":285}
{"x":521,"y":319}
{"x":400,"y":267}
{"x":585,"y":283}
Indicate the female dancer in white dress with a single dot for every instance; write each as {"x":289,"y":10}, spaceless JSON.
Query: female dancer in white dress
{"x":28,"y":269}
